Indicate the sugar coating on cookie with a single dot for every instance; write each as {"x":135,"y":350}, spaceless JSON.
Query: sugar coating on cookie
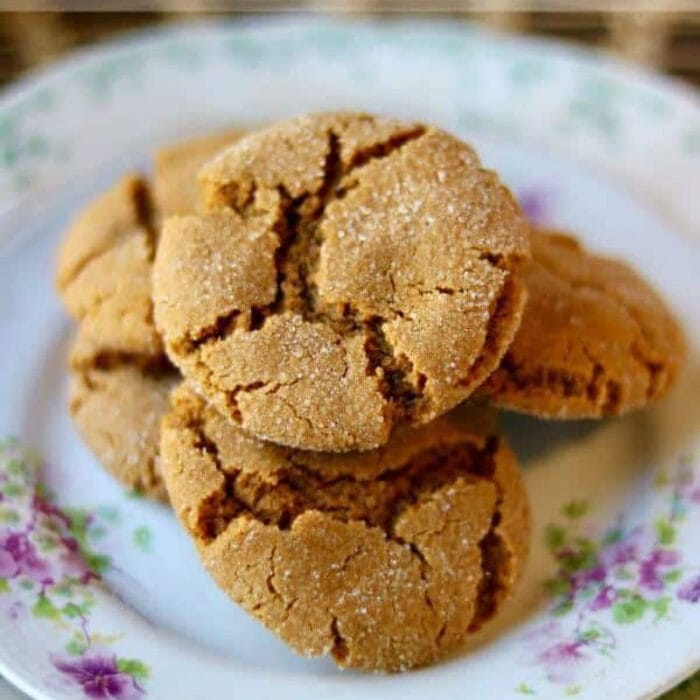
{"x":117,"y":405}
{"x":386,"y":560}
{"x":595,"y":339}
{"x":350,"y":274}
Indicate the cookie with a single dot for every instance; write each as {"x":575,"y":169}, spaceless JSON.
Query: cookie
{"x":105,"y":266}
{"x":595,"y":338}
{"x":120,"y":376}
{"x":117,"y":405}
{"x":350,"y":274}
{"x":384,"y":559}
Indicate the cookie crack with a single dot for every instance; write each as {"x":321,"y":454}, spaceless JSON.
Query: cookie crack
{"x":505,"y":320}
{"x":232,"y":396}
{"x":298,"y":254}
{"x":559,"y":381}
{"x":353,"y":555}
{"x":496,"y":559}
{"x":603,"y":391}
{"x":299,"y":262}
{"x":106,"y":360}
{"x":653,"y":368}
{"x":145,"y":209}
{"x":377,"y":151}
{"x":281,"y":497}
{"x":222,"y":326}
{"x":270,"y":580}
{"x":339,"y":649}
{"x":393,"y":371}
{"x":424,"y":568}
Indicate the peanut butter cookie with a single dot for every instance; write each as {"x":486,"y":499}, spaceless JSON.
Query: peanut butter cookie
{"x":384,"y":559}
{"x":350,"y":274}
{"x":595,"y":338}
{"x":120,"y":376}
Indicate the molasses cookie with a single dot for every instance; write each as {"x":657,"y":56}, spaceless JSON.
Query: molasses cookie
{"x":105,"y":265}
{"x":386,"y":559}
{"x":350,"y":274}
{"x":595,"y":338}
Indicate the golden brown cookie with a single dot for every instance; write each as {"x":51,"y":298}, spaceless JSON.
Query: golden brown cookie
{"x":120,"y":376}
{"x":595,"y":338}
{"x":351,"y":274}
{"x":117,"y":404}
{"x":104,"y":269}
{"x":384,"y":559}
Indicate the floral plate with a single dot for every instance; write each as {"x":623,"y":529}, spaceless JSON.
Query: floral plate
{"x":101,"y":595}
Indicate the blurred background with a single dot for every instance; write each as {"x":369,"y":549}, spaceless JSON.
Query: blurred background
{"x":664,"y":34}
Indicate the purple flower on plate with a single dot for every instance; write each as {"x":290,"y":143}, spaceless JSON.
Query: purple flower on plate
{"x":604,"y":599}
{"x":561,"y":660}
{"x":72,"y":563}
{"x":18,"y":556}
{"x":619,"y":553}
{"x":690,"y":590}
{"x":15,"y":610}
{"x":554,"y":649}
{"x":650,"y":570}
{"x":595,"y":574}
{"x":100,"y":677}
{"x":41,"y":505}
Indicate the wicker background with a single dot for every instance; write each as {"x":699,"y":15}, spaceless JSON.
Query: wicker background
{"x":666,"y":39}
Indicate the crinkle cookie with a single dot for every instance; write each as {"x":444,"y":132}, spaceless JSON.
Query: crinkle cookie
{"x":595,"y":338}
{"x":384,"y":559}
{"x":105,"y":266}
{"x":351,"y":274}
{"x":120,"y":376}
{"x":117,"y":404}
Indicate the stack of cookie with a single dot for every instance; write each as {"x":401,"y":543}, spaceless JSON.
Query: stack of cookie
{"x":312,"y":324}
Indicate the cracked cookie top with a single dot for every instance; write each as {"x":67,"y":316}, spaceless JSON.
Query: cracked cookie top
{"x":386,"y":560}
{"x":595,"y":338}
{"x":349,"y":274}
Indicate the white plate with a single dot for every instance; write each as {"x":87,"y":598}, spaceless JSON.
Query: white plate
{"x":586,"y":143}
